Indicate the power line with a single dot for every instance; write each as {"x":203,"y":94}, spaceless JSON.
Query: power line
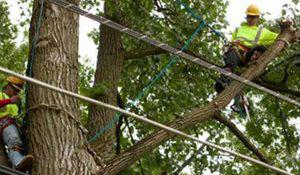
{"x":170,"y":49}
{"x":138,"y":117}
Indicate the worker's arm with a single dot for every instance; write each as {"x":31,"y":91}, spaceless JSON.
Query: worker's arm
{"x":11,"y":100}
{"x":267,"y":37}
{"x":5,"y":102}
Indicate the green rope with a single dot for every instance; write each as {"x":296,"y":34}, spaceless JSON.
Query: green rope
{"x":29,"y":71}
{"x":148,"y":86}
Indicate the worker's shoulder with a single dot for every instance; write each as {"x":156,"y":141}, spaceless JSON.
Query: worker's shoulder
{"x":266,"y":30}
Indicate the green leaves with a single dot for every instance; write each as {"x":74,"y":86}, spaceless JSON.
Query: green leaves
{"x":187,"y":85}
{"x":12,"y":57}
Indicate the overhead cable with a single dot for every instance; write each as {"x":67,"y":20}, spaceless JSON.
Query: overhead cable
{"x":170,"y":49}
{"x":140,"y":118}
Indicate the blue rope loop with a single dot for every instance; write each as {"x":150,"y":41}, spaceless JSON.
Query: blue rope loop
{"x":30,"y":65}
{"x":198,"y":17}
{"x":35,"y":39}
{"x":29,"y":70}
{"x":149,"y":85}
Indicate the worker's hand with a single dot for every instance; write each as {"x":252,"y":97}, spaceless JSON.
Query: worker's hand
{"x":15,"y":99}
{"x":256,"y":55}
{"x":286,"y":23}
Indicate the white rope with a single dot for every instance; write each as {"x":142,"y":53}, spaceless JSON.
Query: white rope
{"x":138,"y":117}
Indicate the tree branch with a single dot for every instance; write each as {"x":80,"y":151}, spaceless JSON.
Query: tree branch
{"x":277,"y":87}
{"x":152,"y":50}
{"x":138,"y":53}
{"x":232,"y":127}
{"x":189,"y":160}
{"x":201,"y":114}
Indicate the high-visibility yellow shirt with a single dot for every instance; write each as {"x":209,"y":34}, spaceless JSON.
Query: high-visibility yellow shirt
{"x":250,"y":36}
{"x":8,"y":110}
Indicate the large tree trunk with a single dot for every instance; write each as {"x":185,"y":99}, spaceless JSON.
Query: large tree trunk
{"x":54,"y":137}
{"x":109,"y":67}
{"x":198,"y":115}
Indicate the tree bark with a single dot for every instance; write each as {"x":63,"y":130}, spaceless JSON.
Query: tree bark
{"x":109,"y":67}
{"x":54,"y":137}
{"x":200,"y":114}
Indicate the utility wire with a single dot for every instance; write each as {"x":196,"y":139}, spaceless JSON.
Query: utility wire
{"x":170,"y":49}
{"x":140,"y":118}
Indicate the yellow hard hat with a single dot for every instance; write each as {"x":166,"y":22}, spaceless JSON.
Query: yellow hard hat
{"x":15,"y":82}
{"x":253,"y":10}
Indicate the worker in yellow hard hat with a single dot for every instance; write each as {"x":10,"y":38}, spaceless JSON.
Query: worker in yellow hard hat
{"x":9,"y":131}
{"x":249,"y":41}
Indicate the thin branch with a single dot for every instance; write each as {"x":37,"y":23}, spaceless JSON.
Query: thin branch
{"x":120,"y":122}
{"x":133,"y":142}
{"x":277,"y":87}
{"x":135,"y":54}
{"x":285,"y":128}
{"x":119,"y":131}
{"x":286,"y":75}
{"x":189,"y":160}
{"x":284,"y":62}
{"x":232,"y":127}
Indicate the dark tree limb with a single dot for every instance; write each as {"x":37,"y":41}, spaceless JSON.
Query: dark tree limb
{"x":286,"y":75}
{"x":120,"y":122}
{"x":285,"y":128}
{"x":277,"y":87}
{"x":232,"y":127}
{"x":133,"y":142}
